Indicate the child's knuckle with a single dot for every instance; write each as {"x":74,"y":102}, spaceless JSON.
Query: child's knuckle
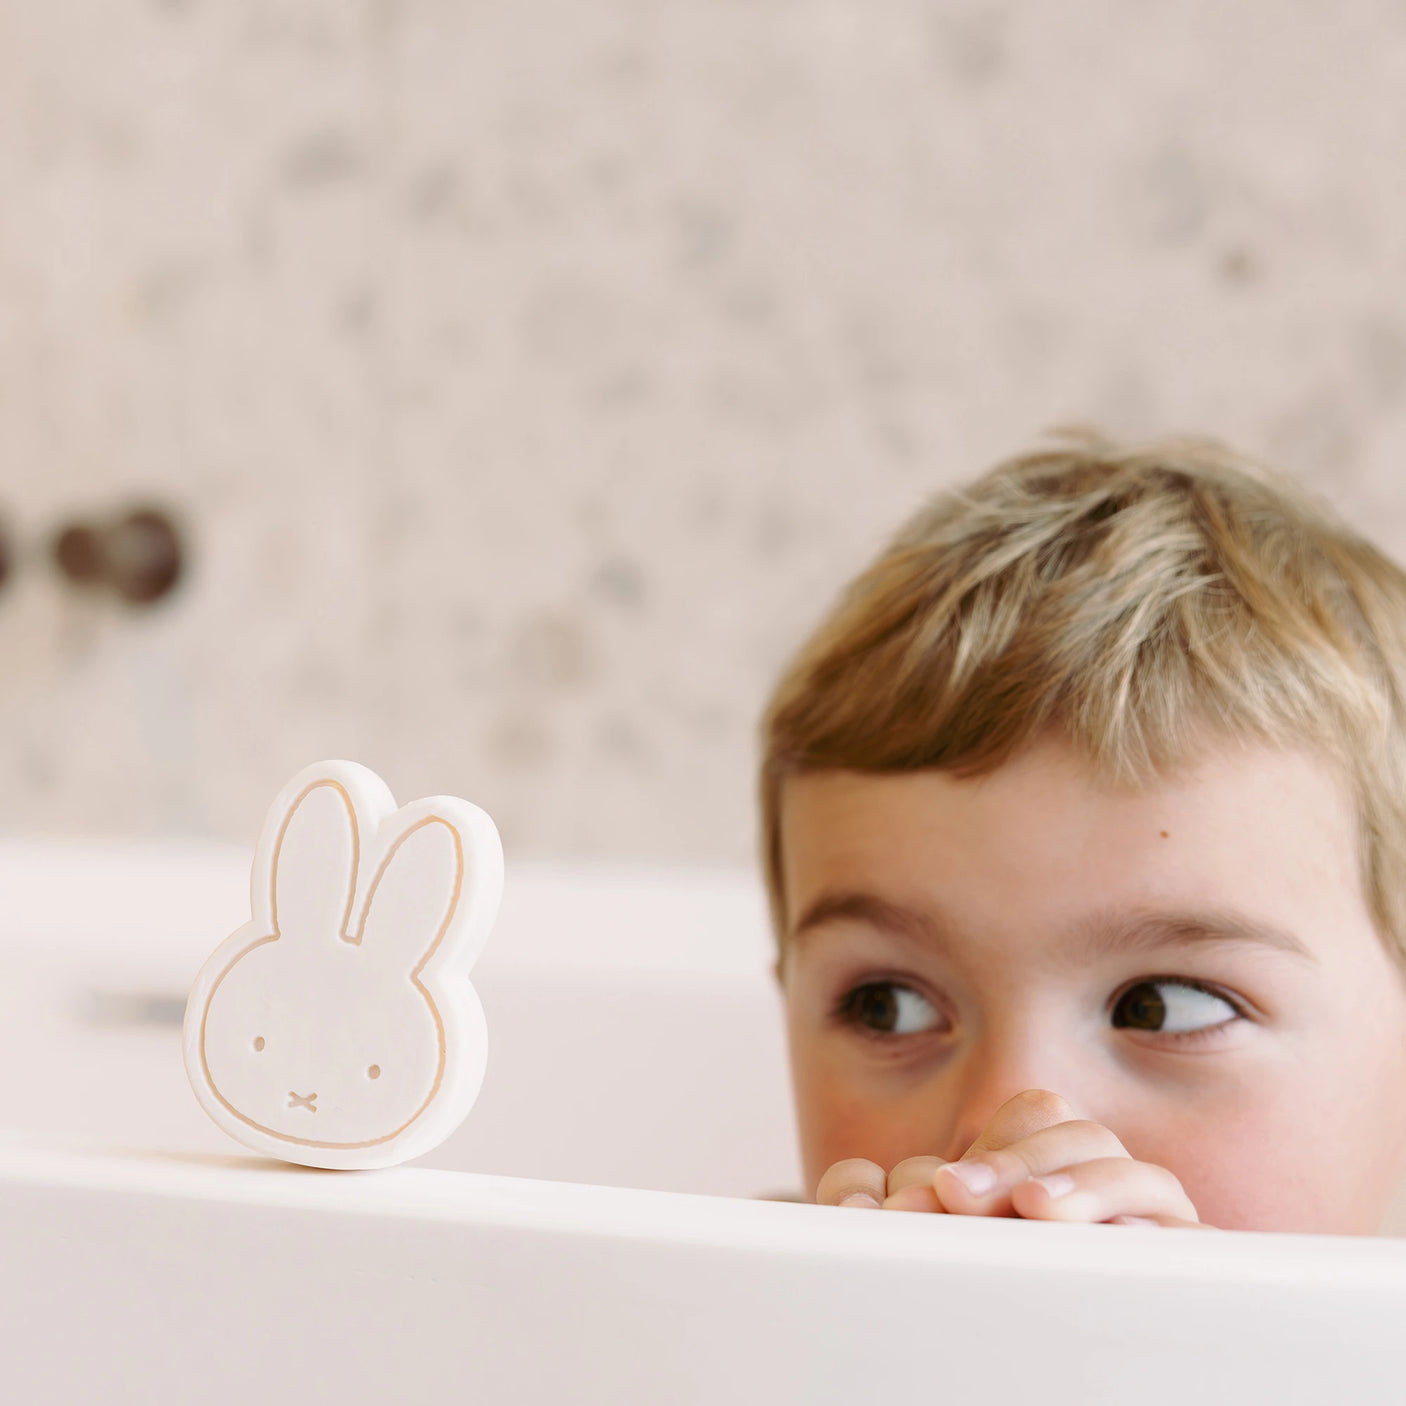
{"x":1101,"y":1141}
{"x":1043,"y":1103}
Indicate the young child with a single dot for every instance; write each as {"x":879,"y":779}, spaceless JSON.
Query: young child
{"x":1085,"y":826}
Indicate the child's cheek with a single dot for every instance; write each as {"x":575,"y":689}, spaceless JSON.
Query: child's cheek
{"x":1256,"y":1166}
{"x":838,"y":1122}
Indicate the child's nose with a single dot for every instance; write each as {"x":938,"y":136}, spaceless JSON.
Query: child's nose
{"x":992,"y":1079}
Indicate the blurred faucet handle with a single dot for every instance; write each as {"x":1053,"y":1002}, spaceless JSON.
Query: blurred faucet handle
{"x":139,"y":555}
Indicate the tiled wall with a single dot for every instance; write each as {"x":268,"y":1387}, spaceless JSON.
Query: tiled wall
{"x":529,"y":373}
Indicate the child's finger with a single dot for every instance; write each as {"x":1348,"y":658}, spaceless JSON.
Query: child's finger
{"x":1161,"y":1222}
{"x":910,"y":1185}
{"x":1017,"y":1118}
{"x":981,"y":1183}
{"x":853,"y":1182}
{"x":1102,"y":1190}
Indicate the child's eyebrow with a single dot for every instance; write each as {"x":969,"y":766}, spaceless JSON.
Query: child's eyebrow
{"x":1144,"y":932}
{"x":1107,"y":933}
{"x":869,"y":908}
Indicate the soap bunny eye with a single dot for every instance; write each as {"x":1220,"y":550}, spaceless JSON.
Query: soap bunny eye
{"x":373,"y":1071}
{"x":258,"y":1043}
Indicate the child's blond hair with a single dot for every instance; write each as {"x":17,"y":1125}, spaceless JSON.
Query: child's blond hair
{"x":1141,"y":601}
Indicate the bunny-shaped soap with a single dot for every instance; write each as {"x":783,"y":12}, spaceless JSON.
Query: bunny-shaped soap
{"x":338,"y":1028}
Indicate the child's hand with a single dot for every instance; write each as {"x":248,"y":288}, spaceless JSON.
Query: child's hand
{"x":1034,"y":1159}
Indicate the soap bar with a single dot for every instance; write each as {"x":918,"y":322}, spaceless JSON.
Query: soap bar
{"x":338,"y":1028}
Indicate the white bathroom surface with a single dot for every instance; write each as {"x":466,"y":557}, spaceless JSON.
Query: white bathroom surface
{"x":141,"y":1278}
{"x":635,"y":1037}
{"x":635,"y":1042}
{"x":634,"y":1028}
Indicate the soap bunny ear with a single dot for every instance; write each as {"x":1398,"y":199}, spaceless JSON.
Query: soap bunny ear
{"x":306,"y":866}
{"x":435,"y":891}
{"x":312,"y":868}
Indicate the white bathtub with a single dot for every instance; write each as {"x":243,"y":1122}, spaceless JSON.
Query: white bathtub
{"x":636,"y":1062}
{"x":633,"y":1030}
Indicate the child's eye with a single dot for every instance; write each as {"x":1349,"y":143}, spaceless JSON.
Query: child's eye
{"x":889,"y":1008}
{"x":1171,"y":1007}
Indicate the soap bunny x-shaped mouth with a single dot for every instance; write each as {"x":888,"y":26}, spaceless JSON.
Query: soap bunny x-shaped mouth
{"x":299,"y":1101}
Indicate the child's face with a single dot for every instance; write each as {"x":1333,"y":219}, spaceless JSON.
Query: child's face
{"x":1193,"y":966}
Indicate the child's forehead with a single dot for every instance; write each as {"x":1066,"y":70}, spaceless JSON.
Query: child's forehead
{"x":1051,"y":781}
{"x":1266,"y":833}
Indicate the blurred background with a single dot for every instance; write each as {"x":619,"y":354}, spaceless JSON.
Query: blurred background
{"x":523,"y":378}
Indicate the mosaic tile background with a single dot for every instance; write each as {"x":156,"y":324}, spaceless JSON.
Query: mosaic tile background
{"x":528,"y":375}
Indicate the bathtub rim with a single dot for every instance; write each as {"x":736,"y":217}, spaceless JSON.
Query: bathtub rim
{"x":723,"y":1223}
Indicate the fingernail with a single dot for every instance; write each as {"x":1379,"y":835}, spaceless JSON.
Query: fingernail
{"x":1057,"y":1185}
{"x":1134,"y":1220}
{"x":977,"y":1177}
{"x":861,"y":1198}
